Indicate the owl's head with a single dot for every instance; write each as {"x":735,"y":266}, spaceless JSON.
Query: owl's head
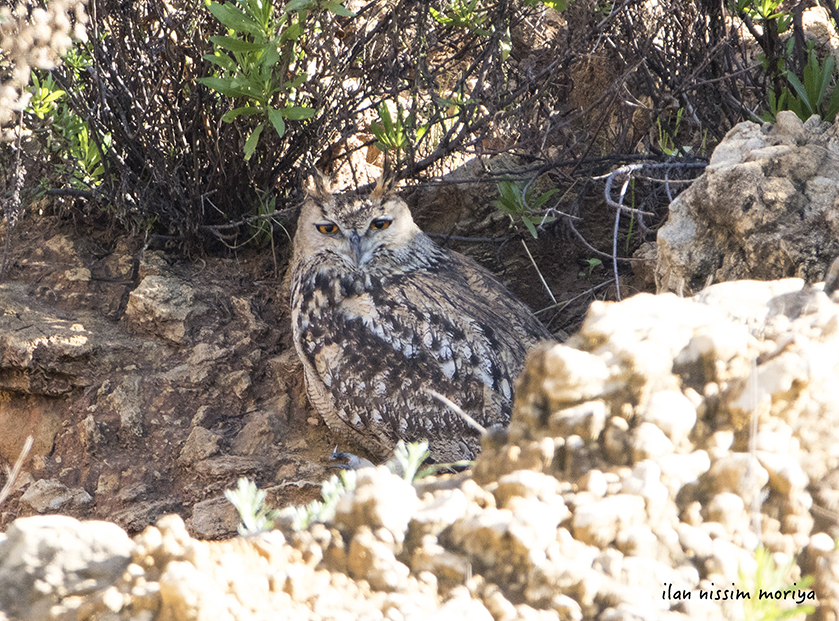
{"x":352,"y":227}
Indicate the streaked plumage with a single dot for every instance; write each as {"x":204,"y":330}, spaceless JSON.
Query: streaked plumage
{"x":380,"y":312}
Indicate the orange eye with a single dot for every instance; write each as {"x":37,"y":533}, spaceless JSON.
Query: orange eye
{"x":380,"y":223}
{"x":327,"y":228}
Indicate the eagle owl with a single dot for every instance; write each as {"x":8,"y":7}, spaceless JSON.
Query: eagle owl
{"x":380,"y":313}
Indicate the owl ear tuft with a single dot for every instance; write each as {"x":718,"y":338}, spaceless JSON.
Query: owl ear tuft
{"x":318,"y":186}
{"x":386,"y":182}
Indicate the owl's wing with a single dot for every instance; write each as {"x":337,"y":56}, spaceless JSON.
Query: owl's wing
{"x":372,"y":355}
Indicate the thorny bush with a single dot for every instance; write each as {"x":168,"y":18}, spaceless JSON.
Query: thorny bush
{"x":572,"y":94}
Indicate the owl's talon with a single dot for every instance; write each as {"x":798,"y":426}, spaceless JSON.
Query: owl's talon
{"x":354,"y":462}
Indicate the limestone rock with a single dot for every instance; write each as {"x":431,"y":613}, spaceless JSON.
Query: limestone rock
{"x":380,"y":499}
{"x":47,"y":558}
{"x":598,"y":523}
{"x":373,"y":560}
{"x":763,"y":209}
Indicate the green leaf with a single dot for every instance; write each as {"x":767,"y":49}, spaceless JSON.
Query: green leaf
{"x":544,"y":198}
{"x":222,"y":60}
{"x":556,"y":5}
{"x":276,"y":118}
{"x":52,"y":97}
{"x":298,"y":5}
{"x":237,"y":45}
{"x":832,"y":106}
{"x":253,"y":139}
{"x":241,"y":111}
{"x":530,"y":226}
{"x":801,"y":91}
{"x":234,"y":18}
{"x":296,"y":82}
{"x":387,"y":121}
{"x":379,"y":133}
{"x":337,"y":9}
{"x":222,"y":85}
{"x":298,"y":113}
{"x":271,"y":57}
{"x":292,"y":33}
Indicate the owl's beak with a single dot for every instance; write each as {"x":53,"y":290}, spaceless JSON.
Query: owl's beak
{"x":355,"y":247}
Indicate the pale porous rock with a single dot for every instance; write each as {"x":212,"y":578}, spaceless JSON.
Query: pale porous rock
{"x":598,"y":523}
{"x":570,"y":515}
{"x":44,"y":560}
{"x":764,"y":208}
{"x":380,"y":499}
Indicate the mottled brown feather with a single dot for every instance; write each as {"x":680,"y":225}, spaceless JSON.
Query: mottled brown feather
{"x":380,"y":315}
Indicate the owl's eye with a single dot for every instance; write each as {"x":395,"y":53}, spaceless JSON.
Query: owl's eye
{"x":380,"y":223}
{"x":327,"y":228}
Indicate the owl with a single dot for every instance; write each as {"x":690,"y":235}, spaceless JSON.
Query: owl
{"x":380,"y":314}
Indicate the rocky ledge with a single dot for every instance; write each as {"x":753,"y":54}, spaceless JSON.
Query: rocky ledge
{"x":676,"y":459}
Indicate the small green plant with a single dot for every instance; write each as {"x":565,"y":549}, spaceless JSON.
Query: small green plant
{"x":257,"y":517}
{"x":768,"y":580}
{"x":591,"y":265}
{"x":266,"y":205}
{"x":469,"y":14}
{"x":463,"y":14}
{"x":249,"y":501}
{"x":407,"y":459}
{"x":519,"y":203}
{"x":394,"y":135}
{"x":69,"y":135}
{"x":665,"y":139}
{"x":808,"y":96}
{"x":765,"y":10}
{"x":556,"y":5}
{"x":260,"y":63}
{"x":323,"y":510}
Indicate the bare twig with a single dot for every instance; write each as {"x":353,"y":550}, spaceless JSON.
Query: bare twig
{"x":457,"y":410}
{"x":15,"y":471}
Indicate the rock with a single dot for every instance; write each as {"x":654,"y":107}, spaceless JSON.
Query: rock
{"x":164,"y":306}
{"x":594,"y":482}
{"x":47,"y":558}
{"x":127,"y":401}
{"x":214,"y":518}
{"x":672,"y":412}
{"x":570,"y":376}
{"x":728,"y":509}
{"x":380,"y":499}
{"x":695,"y":540}
{"x":586,"y":420}
{"x":201,"y":444}
{"x":679,"y":469}
{"x":436,"y":513}
{"x":785,"y":473}
{"x":462,"y":606}
{"x":449,"y":568}
{"x":617,"y":440}
{"x":645,"y":481}
{"x":649,"y":442}
{"x":372,"y":560}
{"x":526,"y":484}
{"x":739,"y":473}
{"x":776,"y":189}
{"x":185,"y":593}
{"x":51,"y":495}
{"x":598,"y":523}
